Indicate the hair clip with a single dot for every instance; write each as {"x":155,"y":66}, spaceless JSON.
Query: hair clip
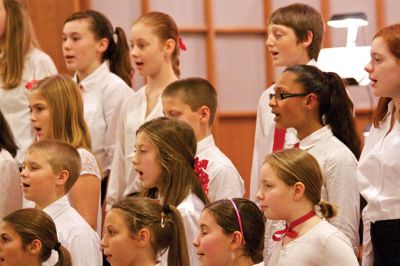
{"x":182,"y":46}
{"x":31,"y":84}
{"x":167,"y":209}
{"x":162,"y":220}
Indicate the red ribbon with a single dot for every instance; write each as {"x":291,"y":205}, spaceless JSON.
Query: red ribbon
{"x":31,"y":84}
{"x":182,"y":46}
{"x":288,"y":231}
{"x":199,"y":167}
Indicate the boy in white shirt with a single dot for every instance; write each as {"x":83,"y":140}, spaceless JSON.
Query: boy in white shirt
{"x":50,"y":170}
{"x":194,"y":100}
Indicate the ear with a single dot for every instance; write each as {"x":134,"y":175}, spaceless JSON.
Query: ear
{"x":62,"y":178}
{"x":311,"y":101}
{"x":34,"y":247}
{"x":169,"y":46}
{"x":237,"y":241}
{"x":143,"y":237}
{"x":102,"y":45}
{"x":298,"y":191}
{"x":308,"y":40}
{"x":205,"y":114}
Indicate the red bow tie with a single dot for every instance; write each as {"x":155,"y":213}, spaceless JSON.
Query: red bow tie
{"x":288,"y":231}
{"x":199,"y":167}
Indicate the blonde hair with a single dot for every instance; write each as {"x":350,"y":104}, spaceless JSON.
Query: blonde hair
{"x":296,"y":165}
{"x":165,"y":28}
{"x":61,"y":156}
{"x":66,"y":106}
{"x":18,"y":41}
{"x":176,"y":145}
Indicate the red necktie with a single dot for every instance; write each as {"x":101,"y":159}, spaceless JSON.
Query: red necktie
{"x":288,"y":231}
{"x":279,"y":139}
{"x":199,"y":167}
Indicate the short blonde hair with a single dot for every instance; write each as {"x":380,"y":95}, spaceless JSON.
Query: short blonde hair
{"x":61,"y":156}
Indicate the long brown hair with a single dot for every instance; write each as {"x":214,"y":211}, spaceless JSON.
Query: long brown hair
{"x":296,"y":165}
{"x":18,"y":41}
{"x":66,"y":106}
{"x":164,"y":222}
{"x":117,"y":51}
{"x":251,"y":218}
{"x":34,"y":224}
{"x":165,"y":28}
{"x":391,"y":37}
{"x":176,"y":144}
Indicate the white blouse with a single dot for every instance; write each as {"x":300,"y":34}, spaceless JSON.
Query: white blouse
{"x":14,"y":102}
{"x":103,"y":93}
{"x":378,"y":176}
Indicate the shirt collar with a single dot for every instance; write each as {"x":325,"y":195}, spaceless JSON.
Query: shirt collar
{"x":57,"y":207}
{"x":94,"y":77}
{"x":315,"y":137}
{"x":204,"y":144}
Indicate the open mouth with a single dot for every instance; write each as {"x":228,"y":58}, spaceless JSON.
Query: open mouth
{"x":139,"y":64}
{"x":25,"y":185}
{"x":273,"y":53}
{"x":373,"y":81}
{"x":139,"y":172}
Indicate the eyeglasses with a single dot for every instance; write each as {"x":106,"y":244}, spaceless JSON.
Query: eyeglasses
{"x":285,"y":95}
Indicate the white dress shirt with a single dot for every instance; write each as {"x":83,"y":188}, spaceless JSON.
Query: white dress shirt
{"x":225,"y":181}
{"x":103,"y":93}
{"x":378,"y":176}
{"x":264,"y":137}
{"x":10,"y":185}
{"x":75,"y":234}
{"x":14,"y":102}
{"x":123,"y":177}
{"x":190,"y":210}
{"x":323,"y":245}
{"x":339,"y":167}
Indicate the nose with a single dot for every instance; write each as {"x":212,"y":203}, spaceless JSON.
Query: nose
{"x":368,"y":67}
{"x":269,"y":41}
{"x":134,"y":51}
{"x":272,"y":101}
{"x":32,"y":116}
{"x":24,"y":172}
{"x":196,"y":242}
{"x":103,"y":242}
{"x":134,"y":159}
{"x":259,"y":195}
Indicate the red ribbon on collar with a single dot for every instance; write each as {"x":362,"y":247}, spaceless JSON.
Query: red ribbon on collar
{"x":199,"y":167}
{"x":182,"y":46}
{"x":288,"y":231}
{"x":31,"y":84}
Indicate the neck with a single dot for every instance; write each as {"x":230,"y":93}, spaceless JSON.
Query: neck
{"x":302,"y":60}
{"x":242,"y":260}
{"x":83,"y":73}
{"x":204,"y":133}
{"x":47,"y":202}
{"x":147,"y":258}
{"x":161,"y":79}
{"x":308,"y":128}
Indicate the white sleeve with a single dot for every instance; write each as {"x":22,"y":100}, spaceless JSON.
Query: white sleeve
{"x":117,"y":179}
{"x":190,"y":222}
{"x":225,"y":184}
{"x":262,"y":142}
{"x":338,"y":251}
{"x":85,"y":249}
{"x":89,"y":163}
{"x":10,"y":188}
{"x":341,"y":185}
{"x":43,"y":67}
{"x":112,"y":100}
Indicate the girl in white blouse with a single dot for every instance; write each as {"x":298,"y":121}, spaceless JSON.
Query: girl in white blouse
{"x":139,"y":230}
{"x":10,"y":187}
{"x":103,"y":71}
{"x":290,"y":190}
{"x":231,"y":233}
{"x":57,"y":113}
{"x":20,"y":62}
{"x":164,"y":161}
{"x":317,"y":105}
{"x":379,"y":168}
{"x":155,"y":47}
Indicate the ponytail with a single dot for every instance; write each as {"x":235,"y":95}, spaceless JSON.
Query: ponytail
{"x":178,"y":249}
{"x":118,"y":54}
{"x":335,"y":105}
{"x":64,"y":258}
{"x":327,"y":209}
{"x":339,"y":114}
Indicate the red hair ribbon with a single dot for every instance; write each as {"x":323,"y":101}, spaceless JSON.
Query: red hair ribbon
{"x":31,"y":84}
{"x":182,"y":46}
{"x":199,"y":167}
{"x":288,"y":231}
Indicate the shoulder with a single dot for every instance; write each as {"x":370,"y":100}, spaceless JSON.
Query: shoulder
{"x":190,"y":206}
{"x":89,"y":163}
{"x":36,"y":55}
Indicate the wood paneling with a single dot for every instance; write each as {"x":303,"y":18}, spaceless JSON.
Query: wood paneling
{"x":48,"y":18}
